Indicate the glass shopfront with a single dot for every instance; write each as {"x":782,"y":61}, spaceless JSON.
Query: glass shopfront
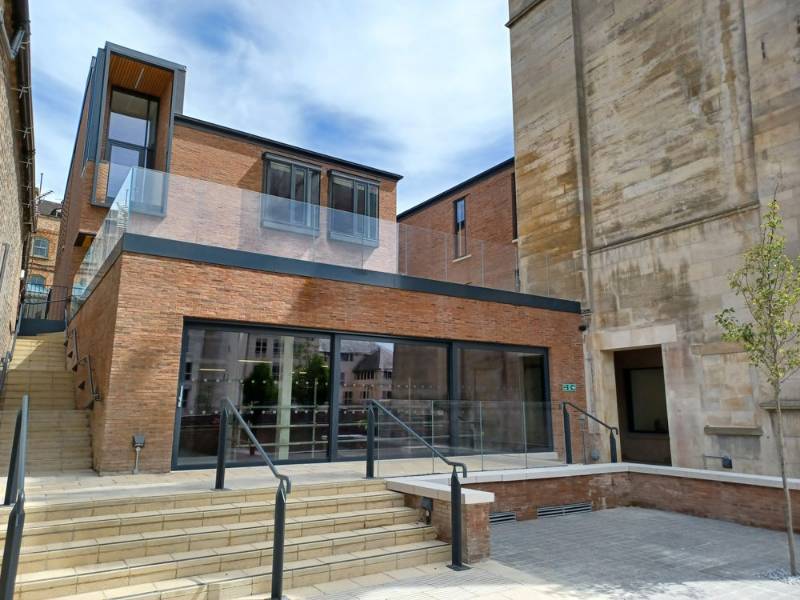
{"x":305,"y":395}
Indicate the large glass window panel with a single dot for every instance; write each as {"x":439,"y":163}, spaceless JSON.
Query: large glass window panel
{"x":121,"y":160}
{"x":131,"y":136}
{"x":342,"y":203}
{"x":502,"y":403}
{"x":279,"y":382}
{"x":129,"y":120}
{"x":408,"y":378}
{"x":292,"y":195}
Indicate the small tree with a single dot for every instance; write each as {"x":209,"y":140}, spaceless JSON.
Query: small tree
{"x":769,"y":283}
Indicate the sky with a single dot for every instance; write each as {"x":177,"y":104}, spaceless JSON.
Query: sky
{"x":418,"y":87}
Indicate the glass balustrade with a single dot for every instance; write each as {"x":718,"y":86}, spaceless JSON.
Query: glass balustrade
{"x":183,"y":209}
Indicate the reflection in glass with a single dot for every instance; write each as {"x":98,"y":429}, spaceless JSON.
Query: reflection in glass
{"x":410,"y":379}
{"x":280,"y":384}
{"x":502,"y":405}
{"x":131,"y":136}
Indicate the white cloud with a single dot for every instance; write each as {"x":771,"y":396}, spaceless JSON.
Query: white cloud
{"x":417,"y":87}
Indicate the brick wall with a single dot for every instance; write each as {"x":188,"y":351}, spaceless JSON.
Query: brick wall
{"x":156,"y":294}
{"x":47,"y":227}
{"x":11,"y":231}
{"x":756,"y":505}
{"x":491,"y":258}
{"x":95,"y":327}
{"x":230,"y":161}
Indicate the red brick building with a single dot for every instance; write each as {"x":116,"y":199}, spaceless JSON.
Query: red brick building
{"x":478,"y":225}
{"x":208,"y":263}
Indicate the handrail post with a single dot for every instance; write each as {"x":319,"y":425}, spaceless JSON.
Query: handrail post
{"x":279,"y":525}
{"x":455,"y":522}
{"x":11,"y":481}
{"x":613,"y":443}
{"x":370,"y":441}
{"x":13,"y":542}
{"x":222,"y":441}
{"x":567,"y":434}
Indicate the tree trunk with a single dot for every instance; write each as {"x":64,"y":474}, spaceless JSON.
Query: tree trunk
{"x":787,"y":509}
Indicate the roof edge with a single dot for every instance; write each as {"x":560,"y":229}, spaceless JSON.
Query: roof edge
{"x":251,"y":137}
{"x":467,"y":182}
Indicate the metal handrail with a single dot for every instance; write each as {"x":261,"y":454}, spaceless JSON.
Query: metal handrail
{"x":455,"y":485}
{"x":568,"y":432}
{"x":284,"y":487}
{"x":399,"y":421}
{"x":87,"y":359}
{"x":15,"y":489}
{"x":6,"y":360}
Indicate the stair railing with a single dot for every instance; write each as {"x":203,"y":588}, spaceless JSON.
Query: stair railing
{"x":455,"y":484}
{"x":284,"y":488}
{"x":612,"y":441}
{"x":9,"y":355}
{"x":15,"y":494}
{"x":87,"y":360}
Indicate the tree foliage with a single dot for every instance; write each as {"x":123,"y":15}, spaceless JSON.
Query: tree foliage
{"x":769,"y":283}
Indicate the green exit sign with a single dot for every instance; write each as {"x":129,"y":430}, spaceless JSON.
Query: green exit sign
{"x":569,"y":387}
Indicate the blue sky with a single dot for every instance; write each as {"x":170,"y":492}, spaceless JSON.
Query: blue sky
{"x":418,"y":87}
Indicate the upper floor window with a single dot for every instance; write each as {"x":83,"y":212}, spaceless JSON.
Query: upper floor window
{"x":292,"y":195}
{"x":131,"y":136}
{"x":355,"y":209}
{"x":460,"y":213}
{"x":36,"y":283}
{"x":41,"y":247}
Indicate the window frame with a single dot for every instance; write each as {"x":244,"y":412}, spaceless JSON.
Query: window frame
{"x":36,"y":239}
{"x":311,"y":227}
{"x":148,"y":153}
{"x":336,"y":336}
{"x":460,"y":229}
{"x":30,"y":286}
{"x":341,"y":236}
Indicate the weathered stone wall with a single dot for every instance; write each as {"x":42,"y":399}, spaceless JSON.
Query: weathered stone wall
{"x":680,"y":120}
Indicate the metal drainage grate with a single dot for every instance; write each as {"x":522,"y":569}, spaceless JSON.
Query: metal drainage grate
{"x":564,"y":509}
{"x":502,"y":517}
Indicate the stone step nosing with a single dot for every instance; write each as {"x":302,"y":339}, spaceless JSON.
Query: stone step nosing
{"x":295,"y":549}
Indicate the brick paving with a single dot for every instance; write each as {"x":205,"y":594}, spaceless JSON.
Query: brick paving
{"x":623,"y":553}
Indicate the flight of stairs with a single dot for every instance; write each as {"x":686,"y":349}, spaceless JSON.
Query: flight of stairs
{"x":58,"y":435}
{"x":217,"y":544}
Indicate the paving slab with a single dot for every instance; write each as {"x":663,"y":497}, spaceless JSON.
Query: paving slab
{"x":616,"y":554}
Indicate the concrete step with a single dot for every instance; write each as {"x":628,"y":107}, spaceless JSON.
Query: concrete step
{"x":216,"y":544}
{"x":154,"y":543}
{"x":129,"y":571}
{"x":81,"y":528}
{"x":253,"y":580}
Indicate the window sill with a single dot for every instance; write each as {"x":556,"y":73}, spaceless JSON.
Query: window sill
{"x":288,"y":227}
{"x":147,"y":209}
{"x":352,"y":239}
{"x":460,"y":258}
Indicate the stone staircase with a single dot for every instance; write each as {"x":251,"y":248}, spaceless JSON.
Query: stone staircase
{"x":58,"y":434}
{"x":217,"y":544}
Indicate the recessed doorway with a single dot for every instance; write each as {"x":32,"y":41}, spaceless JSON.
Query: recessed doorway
{"x":642,"y":405}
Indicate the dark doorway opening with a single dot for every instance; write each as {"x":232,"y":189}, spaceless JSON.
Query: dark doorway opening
{"x":642,"y":405}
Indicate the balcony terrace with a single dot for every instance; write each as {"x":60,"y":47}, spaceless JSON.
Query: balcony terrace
{"x":174,"y":212}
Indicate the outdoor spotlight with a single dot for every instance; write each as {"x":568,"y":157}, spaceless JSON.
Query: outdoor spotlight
{"x":138,"y":444}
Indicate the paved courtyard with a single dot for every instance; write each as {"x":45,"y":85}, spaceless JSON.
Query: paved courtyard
{"x":620,"y":553}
